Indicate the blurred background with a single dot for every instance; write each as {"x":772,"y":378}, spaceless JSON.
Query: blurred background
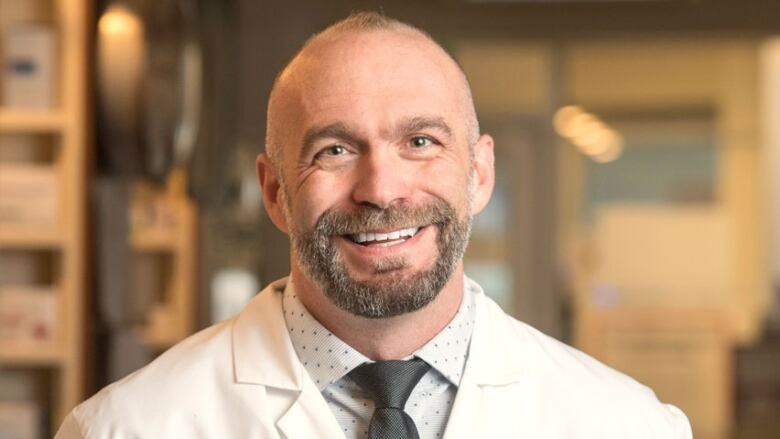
{"x":636,"y":213}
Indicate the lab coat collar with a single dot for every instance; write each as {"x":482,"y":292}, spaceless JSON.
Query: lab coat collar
{"x":481,"y":407}
{"x":264,"y":355}
{"x":491,"y":362}
{"x":262,"y":351}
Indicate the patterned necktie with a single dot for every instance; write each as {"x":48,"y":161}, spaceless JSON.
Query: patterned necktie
{"x":389,"y":384}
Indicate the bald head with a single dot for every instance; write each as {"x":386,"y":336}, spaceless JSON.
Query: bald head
{"x":332,"y":51}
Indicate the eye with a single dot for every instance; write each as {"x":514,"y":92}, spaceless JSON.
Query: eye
{"x":333,"y":150}
{"x":420,"y":142}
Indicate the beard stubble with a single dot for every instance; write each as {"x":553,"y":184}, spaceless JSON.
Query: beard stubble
{"x":391,"y":292}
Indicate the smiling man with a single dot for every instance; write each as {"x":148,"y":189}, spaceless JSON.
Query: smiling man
{"x":374,"y":168}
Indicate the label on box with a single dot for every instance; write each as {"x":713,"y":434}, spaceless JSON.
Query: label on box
{"x":27,"y":314}
{"x":29,"y":67}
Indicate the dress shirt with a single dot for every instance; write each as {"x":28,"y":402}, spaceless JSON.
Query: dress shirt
{"x":328,"y":360}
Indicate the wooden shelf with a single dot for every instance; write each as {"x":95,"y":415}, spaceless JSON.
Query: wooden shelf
{"x":71,"y":22}
{"x":17,"y":235}
{"x":153,"y":240}
{"x":30,"y":354}
{"x":164,"y":220}
{"x":31,"y":121}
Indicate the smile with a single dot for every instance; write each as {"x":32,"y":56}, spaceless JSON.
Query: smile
{"x":384,"y":239}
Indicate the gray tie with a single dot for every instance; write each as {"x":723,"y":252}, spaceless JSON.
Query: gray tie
{"x":389,"y":384}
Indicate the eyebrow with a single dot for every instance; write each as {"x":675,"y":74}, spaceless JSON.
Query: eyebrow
{"x":422,"y":123}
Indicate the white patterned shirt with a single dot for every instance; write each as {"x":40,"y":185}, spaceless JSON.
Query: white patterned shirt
{"x":328,"y":360}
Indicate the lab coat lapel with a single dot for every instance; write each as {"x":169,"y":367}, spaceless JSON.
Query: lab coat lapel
{"x":496,"y":389}
{"x":493,"y":411}
{"x":309,"y":416}
{"x":264,"y":355}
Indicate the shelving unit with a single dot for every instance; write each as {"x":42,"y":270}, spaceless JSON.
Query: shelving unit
{"x":30,"y":237}
{"x":30,"y":121}
{"x":49,"y":354}
{"x":164,"y":223}
{"x":62,"y":355}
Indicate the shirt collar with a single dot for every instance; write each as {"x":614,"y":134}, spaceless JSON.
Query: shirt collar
{"x":327,"y":358}
{"x":448,"y":350}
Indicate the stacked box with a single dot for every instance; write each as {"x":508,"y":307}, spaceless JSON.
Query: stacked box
{"x":27,"y":314}
{"x":29,"y":67}
{"x":28,"y":194}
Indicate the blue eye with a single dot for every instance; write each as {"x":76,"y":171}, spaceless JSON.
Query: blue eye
{"x":420,"y":142}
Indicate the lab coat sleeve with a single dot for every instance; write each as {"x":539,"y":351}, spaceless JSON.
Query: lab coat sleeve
{"x":70,"y":428}
{"x":683,"y":426}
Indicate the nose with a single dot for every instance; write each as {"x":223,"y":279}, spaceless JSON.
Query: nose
{"x":383,"y":179}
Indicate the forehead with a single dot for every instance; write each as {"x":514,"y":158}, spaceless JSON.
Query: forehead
{"x":370,"y":80}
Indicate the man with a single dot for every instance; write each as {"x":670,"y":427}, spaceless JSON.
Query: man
{"x":374,"y":169}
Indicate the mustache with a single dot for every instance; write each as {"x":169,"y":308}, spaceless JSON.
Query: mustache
{"x":396,"y":216}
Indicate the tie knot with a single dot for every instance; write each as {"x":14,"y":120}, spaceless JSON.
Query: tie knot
{"x":389,"y":383}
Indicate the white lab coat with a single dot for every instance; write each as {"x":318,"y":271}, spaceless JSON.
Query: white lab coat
{"x":241,"y":379}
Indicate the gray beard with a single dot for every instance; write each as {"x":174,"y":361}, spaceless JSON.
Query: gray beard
{"x":392,"y":293}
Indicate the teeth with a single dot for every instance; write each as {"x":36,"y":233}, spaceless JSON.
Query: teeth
{"x":391,"y":243}
{"x":367,"y":237}
{"x":410,"y":231}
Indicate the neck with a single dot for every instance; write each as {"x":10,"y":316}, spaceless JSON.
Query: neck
{"x":389,"y":338}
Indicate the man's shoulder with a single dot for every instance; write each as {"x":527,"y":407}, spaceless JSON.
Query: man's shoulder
{"x":576,"y":388}
{"x":183,"y":391}
{"x":174,"y":379}
{"x":547,"y":356}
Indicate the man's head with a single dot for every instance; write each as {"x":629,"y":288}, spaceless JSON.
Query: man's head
{"x":362,"y":23}
{"x":375,"y":165}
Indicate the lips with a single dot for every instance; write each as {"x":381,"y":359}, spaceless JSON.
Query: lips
{"x":384,"y":238}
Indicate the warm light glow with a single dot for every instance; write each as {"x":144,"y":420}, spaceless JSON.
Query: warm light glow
{"x":120,"y":54}
{"x":582,"y":125}
{"x":119,"y":20}
{"x":613,"y":151}
{"x":597,"y":141}
{"x":563,"y":119}
{"x":591,"y":135}
{"x":588,"y":133}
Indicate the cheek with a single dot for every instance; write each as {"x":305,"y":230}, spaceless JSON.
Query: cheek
{"x":305,"y":213}
{"x":313,"y":198}
{"x":450,"y":183}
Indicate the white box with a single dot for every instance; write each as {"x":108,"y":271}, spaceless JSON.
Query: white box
{"x":663,"y":256}
{"x":28,"y":194}
{"x":29,"y":67}
{"x":27,"y":314}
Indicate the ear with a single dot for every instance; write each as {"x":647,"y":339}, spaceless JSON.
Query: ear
{"x":271,"y":189}
{"x":484,"y":173}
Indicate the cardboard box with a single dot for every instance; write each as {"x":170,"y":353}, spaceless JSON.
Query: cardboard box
{"x":657,"y":256}
{"x":29,"y":67}
{"x":28,"y":194}
{"x":27,"y":315}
